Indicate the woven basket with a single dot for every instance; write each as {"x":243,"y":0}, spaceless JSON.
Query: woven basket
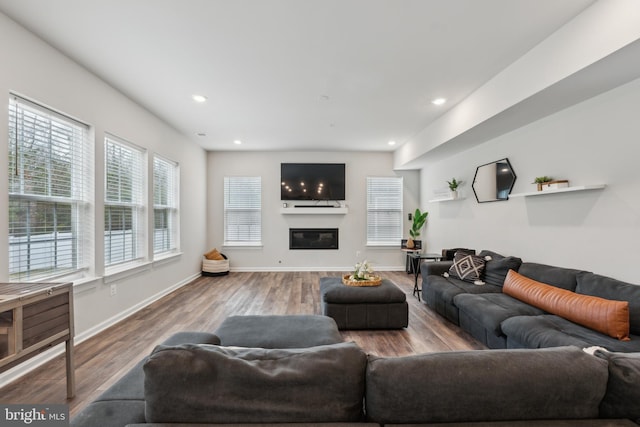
{"x":374,"y":281}
{"x":215,"y":267}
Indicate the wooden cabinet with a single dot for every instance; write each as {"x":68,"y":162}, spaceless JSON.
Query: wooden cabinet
{"x":34,"y":317}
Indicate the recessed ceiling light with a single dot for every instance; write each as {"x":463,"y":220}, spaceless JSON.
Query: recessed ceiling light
{"x":438,"y":101}
{"x":392,"y":143}
{"x":199,"y":98}
{"x":237,"y":142}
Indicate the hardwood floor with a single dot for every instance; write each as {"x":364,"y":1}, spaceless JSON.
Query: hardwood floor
{"x":201,"y":306}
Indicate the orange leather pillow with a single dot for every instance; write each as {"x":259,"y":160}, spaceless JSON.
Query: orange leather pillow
{"x":213,"y":254}
{"x":602,"y":315}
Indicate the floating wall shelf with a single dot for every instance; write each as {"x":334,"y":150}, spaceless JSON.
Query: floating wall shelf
{"x":314,"y":211}
{"x":446,"y":199}
{"x":560,"y":190}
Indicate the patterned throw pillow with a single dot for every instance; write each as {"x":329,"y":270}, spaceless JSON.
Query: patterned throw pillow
{"x":467,"y":267}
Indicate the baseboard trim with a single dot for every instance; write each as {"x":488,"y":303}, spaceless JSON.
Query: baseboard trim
{"x":134,"y":309}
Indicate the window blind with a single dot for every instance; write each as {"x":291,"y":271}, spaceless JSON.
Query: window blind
{"x":384,"y":210}
{"x":242,"y":210}
{"x":165,"y":205}
{"x":50,"y":189}
{"x":124,"y":202}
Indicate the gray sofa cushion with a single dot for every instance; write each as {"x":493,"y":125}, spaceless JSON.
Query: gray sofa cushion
{"x":437,"y":268}
{"x":123,"y":402}
{"x":356,"y":424}
{"x":554,"y":331}
{"x":608,"y":288}
{"x":273,"y":331}
{"x":211,"y":384}
{"x":622,"y":399}
{"x":439,"y":292}
{"x":131,"y":385}
{"x":565,"y":278}
{"x":497,"y":268}
{"x":526,"y":423}
{"x":448,"y":288}
{"x":110,"y":413}
{"x":492,"y":385}
{"x":490,"y":310}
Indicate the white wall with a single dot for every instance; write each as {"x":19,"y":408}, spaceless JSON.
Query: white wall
{"x":594,"y":142}
{"x":275,"y":254}
{"x":33,"y":69}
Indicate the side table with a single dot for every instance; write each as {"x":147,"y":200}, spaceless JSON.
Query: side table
{"x":33,"y":318}
{"x":416,"y":259}
{"x":409,"y":263}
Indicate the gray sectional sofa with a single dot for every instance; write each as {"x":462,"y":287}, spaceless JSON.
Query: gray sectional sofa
{"x":193,"y":379}
{"x":501,"y":321}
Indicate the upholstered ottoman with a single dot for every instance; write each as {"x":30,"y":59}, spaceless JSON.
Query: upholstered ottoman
{"x":367,"y":307}
{"x":271,"y":331}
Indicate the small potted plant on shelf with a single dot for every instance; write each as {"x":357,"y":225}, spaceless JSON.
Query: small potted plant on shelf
{"x":419,"y":218}
{"x":453,"y":186}
{"x":541,"y":180}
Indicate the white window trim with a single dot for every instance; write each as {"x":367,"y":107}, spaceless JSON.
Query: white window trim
{"x":226,"y":209}
{"x":174,"y":211}
{"x":396,"y":240}
{"x":82,"y":196}
{"x":141,"y":258}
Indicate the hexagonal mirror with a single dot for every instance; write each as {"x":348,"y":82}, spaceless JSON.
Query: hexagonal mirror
{"x":493,"y":182}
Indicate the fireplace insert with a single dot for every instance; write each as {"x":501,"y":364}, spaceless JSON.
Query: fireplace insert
{"x":313,"y":238}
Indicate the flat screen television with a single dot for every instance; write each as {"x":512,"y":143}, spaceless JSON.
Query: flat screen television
{"x":312,"y":181}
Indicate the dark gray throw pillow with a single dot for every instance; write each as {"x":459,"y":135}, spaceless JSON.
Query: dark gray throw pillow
{"x":622,"y":399}
{"x":211,"y":384}
{"x":496,"y":268}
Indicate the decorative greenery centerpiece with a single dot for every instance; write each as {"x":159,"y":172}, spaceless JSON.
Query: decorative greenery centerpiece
{"x":362,"y":271}
{"x":362,"y":275}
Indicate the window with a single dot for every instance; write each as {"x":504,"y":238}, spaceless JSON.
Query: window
{"x":243,"y":211}
{"x":384,"y":211}
{"x":165,"y":206}
{"x":50,"y":193}
{"x":124,"y":202}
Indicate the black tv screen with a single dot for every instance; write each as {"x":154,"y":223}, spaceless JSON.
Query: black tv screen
{"x":312,"y":181}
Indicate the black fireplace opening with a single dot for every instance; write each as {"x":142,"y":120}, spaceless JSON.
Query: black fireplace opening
{"x":313,"y":238}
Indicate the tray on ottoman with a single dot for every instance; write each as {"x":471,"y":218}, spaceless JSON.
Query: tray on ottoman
{"x":370,"y":307}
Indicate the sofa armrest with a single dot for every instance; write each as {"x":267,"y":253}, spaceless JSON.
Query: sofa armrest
{"x":434,"y":268}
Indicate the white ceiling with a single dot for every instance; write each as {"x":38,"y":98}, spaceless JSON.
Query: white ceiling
{"x":295,"y":74}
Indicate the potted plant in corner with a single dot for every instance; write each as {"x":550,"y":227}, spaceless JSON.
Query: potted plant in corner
{"x":453,"y":186}
{"x":419,"y":218}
